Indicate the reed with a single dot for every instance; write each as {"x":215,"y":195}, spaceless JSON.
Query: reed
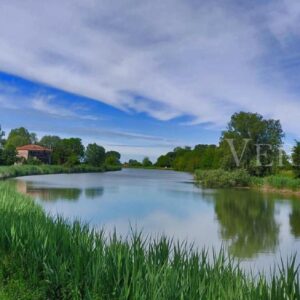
{"x":46,"y":258}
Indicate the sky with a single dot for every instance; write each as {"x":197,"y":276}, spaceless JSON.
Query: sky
{"x":142,"y":77}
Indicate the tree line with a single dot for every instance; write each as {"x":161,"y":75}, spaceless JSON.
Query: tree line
{"x":65,"y":151}
{"x":249,"y":142}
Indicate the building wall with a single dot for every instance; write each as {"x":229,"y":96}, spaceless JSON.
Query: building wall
{"x":23,"y":154}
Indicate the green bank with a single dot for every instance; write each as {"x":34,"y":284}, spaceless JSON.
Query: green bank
{"x":25,"y":170}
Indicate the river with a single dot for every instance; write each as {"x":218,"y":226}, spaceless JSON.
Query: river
{"x":255,"y":227}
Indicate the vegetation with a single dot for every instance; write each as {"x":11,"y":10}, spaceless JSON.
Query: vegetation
{"x":45,"y":258}
{"x":223,"y":179}
{"x":296,"y":159}
{"x":186,"y":159}
{"x":95,"y":155}
{"x":250,"y":142}
{"x":24,"y":170}
{"x":67,"y":152}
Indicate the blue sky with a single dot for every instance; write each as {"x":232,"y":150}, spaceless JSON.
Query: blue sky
{"x":142,"y":77}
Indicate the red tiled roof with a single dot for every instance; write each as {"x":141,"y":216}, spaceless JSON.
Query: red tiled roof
{"x":33,"y":148}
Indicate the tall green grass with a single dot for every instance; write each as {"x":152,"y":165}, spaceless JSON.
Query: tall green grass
{"x":24,"y":170}
{"x":278,"y":182}
{"x":57,"y":259}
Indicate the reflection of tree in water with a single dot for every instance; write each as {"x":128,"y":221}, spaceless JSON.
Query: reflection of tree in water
{"x":247,"y":222}
{"x":295,"y":219}
{"x":54,"y":194}
{"x":93,"y":192}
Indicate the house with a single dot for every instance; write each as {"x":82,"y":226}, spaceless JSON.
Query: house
{"x":34,"y":152}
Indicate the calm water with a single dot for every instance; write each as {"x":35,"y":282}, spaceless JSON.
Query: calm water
{"x":254,"y":227}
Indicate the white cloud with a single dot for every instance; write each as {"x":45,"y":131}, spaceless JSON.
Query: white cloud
{"x":167,"y":59}
{"x":44,"y":105}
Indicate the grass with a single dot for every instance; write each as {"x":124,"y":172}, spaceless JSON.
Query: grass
{"x":277,"y":182}
{"x":45,"y":258}
{"x":24,"y":170}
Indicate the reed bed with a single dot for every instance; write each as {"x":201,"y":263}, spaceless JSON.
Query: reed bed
{"x":46,"y":258}
{"x":24,"y":170}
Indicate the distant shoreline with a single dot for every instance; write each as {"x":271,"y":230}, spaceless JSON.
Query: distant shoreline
{"x":7,"y":172}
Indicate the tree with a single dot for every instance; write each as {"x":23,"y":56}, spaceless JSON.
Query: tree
{"x":112,"y":158}
{"x":68,"y":151}
{"x":245,"y":131}
{"x":95,"y":155}
{"x":2,"y":134}
{"x":147,"y":162}
{"x":20,"y":136}
{"x":8,"y":155}
{"x":50,"y":141}
{"x":296,"y":159}
{"x":134,"y":163}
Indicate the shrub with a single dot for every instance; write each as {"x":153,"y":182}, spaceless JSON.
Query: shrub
{"x":223,"y":179}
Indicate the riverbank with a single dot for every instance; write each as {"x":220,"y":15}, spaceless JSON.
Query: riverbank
{"x":241,"y":179}
{"x":26,"y":170}
{"x":45,"y":258}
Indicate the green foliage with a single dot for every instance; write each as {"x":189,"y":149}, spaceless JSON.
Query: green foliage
{"x":95,"y":155}
{"x":134,"y":163}
{"x":146,"y":162}
{"x":57,"y":259}
{"x":112,"y":158}
{"x":257,"y":130}
{"x":19,"y":137}
{"x":187,"y":159}
{"x":296,"y":159}
{"x":8,"y":155}
{"x":2,"y":134}
{"x":50,"y":141}
{"x":68,"y":151}
{"x":223,"y":179}
{"x":25,"y":170}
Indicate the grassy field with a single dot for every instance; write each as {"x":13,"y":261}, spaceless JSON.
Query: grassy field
{"x":24,"y":170}
{"x":45,"y":258}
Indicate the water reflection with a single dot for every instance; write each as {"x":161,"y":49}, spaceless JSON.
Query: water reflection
{"x":247,"y":222}
{"x":52,"y":194}
{"x":93,"y":193}
{"x":295,"y":219}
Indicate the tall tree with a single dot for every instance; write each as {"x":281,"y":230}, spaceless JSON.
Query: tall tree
{"x":147,"y":162}
{"x":50,"y":141}
{"x":68,"y":151}
{"x":247,"y":135}
{"x":20,"y":136}
{"x":296,"y":159}
{"x":2,"y":134}
{"x":112,"y":158}
{"x":95,"y":155}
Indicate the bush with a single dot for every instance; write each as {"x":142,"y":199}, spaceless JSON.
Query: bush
{"x":223,"y":179}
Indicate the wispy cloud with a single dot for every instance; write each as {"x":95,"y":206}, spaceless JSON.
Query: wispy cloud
{"x":44,"y":104}
{"x":203,"y":59}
